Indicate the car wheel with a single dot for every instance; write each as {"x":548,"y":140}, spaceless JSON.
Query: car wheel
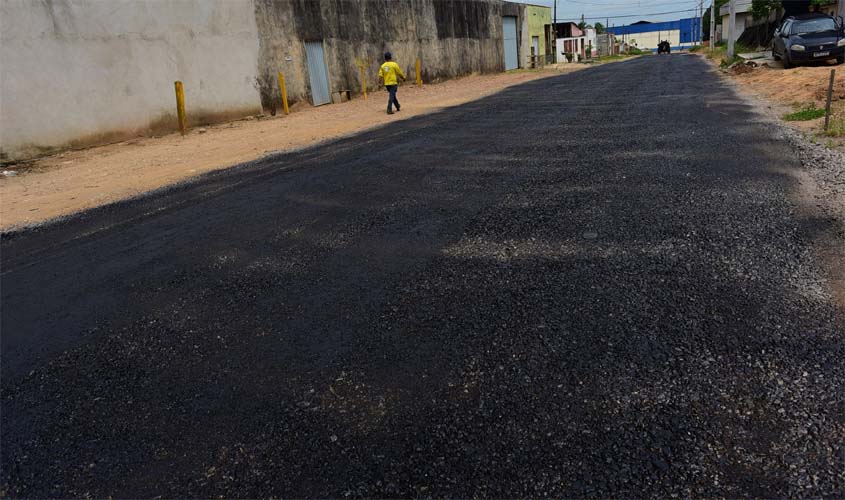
{"x":775,"y":55}
{"x":786,"y":62}
{"x":840,"y":59}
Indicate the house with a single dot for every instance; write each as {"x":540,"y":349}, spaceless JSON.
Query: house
{"x":570,"y":42}
{"x":646,"y":35}
{"x":525,"y":29}
{"x":537,"y":21}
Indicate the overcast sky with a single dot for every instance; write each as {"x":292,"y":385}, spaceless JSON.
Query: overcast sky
{"x":644,"y":10}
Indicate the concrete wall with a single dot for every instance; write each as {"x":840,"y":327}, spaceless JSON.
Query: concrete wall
{"x":75,"y":72}
{"x":82,"y":72}
{"x":451,"y":37}
{"x":743,"y":20}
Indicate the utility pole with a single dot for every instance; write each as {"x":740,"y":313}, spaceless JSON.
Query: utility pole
{"x":700,"y":22}
{"x":712,"y":24}
{"x":732,"y":27}
{"x":554,"y":34}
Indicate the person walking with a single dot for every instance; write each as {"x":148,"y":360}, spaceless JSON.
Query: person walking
{"x":388,"y":72}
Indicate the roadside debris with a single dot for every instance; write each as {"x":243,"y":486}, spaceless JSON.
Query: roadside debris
{"x":9,"y":173}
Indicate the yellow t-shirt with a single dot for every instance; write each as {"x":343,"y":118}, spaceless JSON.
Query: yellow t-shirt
{"x":388,"y":71}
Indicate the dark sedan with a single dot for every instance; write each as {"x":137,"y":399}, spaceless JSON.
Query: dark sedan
{"x":809,"y":37}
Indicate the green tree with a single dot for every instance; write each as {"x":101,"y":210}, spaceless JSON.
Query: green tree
{"x":761,"y":9}
{"x":583,"y":24}
{"x":599,"y":28}
{"x":705,"y":20}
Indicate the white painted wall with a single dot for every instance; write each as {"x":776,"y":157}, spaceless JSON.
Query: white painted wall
{"x":577,"y":44}
{"x":649,"y":40}
{"x":76,"y":68}
{"x":590,"y":40}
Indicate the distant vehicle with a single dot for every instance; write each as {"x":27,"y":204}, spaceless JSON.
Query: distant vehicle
{"x":664,"y":47}
{"x":809,"y":37}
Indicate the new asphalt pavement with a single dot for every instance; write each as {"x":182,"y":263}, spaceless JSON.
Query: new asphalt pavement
{"x":597,"y":284}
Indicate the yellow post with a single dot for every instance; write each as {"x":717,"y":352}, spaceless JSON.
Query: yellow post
{"x":284,"y":92}
{"x":419,"y":76}
{"x":180,"y":108}
{"x":363,"y":80}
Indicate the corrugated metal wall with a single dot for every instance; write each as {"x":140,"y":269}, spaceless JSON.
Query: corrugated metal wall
{"x":511,"y":41}
{"x":317,"y":74}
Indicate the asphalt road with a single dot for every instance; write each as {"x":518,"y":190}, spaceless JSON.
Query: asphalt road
{"x":589,"y":285}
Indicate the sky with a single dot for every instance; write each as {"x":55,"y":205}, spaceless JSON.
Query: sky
{"x":571,"y":10}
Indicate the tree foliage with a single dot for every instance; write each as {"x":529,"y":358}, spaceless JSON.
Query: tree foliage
{"x":599,"y":28}
{"x":705,"y":19}
{"x":761,"y":9}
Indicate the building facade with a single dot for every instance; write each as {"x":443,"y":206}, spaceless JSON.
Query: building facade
{"x":84,"y":72}
{"x":537,"y":20}
{"x":680,"y":34}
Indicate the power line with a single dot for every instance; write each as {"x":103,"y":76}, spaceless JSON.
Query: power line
{"x":631,"y":15}
{"x":629,"y":5}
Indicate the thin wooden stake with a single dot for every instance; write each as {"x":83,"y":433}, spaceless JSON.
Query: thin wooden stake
{"x":827,"y":106}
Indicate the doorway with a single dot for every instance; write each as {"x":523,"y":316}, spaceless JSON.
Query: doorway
{"x":317,"y":73}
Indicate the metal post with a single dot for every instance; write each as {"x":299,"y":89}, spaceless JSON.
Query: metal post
{"x":284,"y":90}
{"x":731,"y":27}
{"x":419,"y":73}
{"x":180,"y":108}
{"x":827,"y":106}
{"x":712,"y":24}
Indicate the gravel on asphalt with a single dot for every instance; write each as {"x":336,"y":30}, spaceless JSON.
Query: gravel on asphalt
{"x":593,"y":285}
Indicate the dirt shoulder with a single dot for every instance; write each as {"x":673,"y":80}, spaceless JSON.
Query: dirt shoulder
{"x":73,"y":181}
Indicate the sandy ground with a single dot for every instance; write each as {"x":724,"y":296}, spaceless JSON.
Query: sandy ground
{"x":796,"y":88}
{"x":76,"y":180}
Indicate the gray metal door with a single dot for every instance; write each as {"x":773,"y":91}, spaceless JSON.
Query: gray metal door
{"x":509,"y":32}
{"x":320,"y":92}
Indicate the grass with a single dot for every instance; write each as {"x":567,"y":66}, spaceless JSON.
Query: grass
{"x":614,"y":57}
{"x":720,"y":53}
{"x":810,"y":112}
{"x":836,"y":127}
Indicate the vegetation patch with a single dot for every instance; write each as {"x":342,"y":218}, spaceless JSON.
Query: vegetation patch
{"x":808,"y":113}
{"x":836,"y":127}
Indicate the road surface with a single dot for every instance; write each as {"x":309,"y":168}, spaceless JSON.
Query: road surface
{"x":596,"y":284}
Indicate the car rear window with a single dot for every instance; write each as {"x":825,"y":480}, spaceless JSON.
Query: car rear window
{"x":813,"y":25}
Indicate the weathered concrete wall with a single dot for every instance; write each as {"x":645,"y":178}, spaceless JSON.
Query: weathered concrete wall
{"x":451,"y":37}
{"x":77,"y":72}
{"x":82,"y":72}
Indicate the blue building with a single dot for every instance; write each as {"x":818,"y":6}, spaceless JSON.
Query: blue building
{"x":644,"y":35}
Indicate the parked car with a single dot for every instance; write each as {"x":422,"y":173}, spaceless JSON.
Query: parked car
{"x":664,"y":47}
{"x":809,"y":37}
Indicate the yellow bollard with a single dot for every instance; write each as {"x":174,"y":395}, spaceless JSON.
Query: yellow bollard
{"x":363,"y":80}
{"x":180,"y":108}
{"x":419,"y":75}
{"x":284,"y":92}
